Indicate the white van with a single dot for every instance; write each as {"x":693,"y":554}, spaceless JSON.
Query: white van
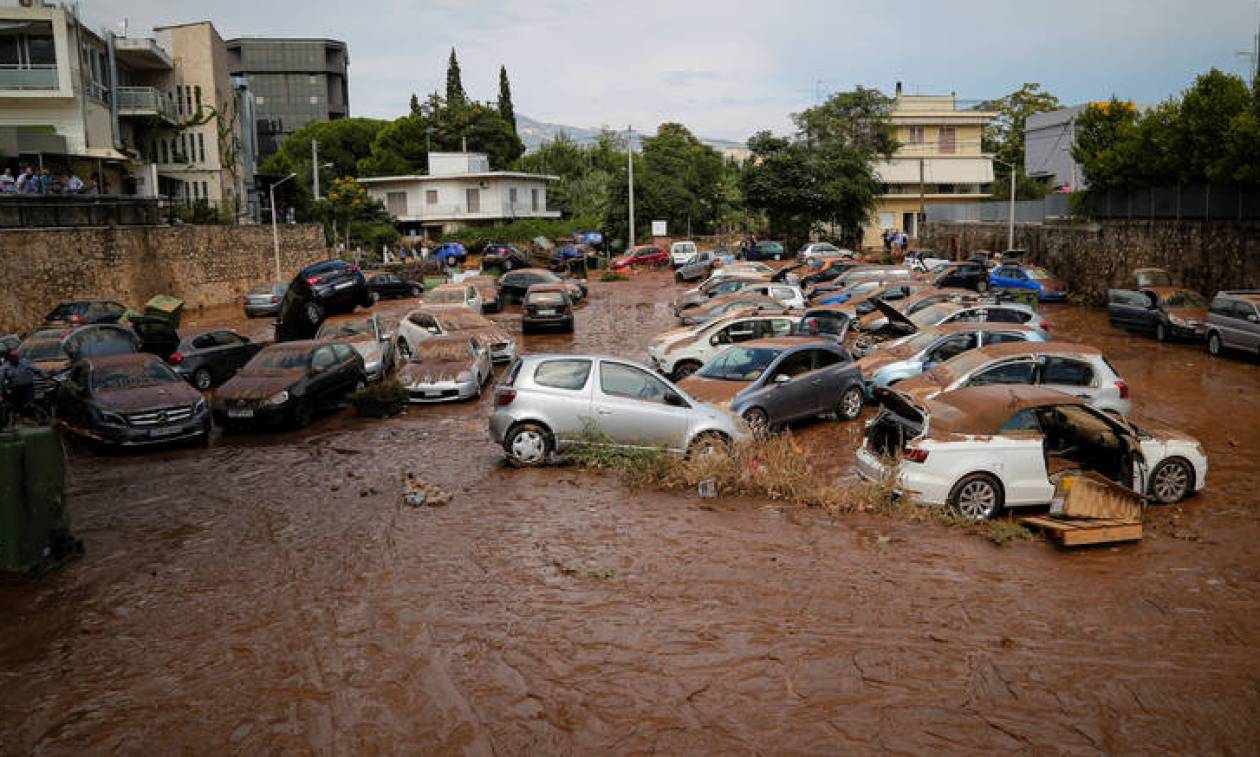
{"x":681,"y":252}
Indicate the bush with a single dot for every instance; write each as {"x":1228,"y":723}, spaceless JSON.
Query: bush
{"x":613,"y":276}
{"x":387,"y":390}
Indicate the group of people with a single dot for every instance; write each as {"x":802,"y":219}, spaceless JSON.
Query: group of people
{"x":41,"y":181}
{"x":895,"y":241}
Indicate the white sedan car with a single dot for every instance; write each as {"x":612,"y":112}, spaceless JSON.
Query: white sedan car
{"x":678,"y":353}
{"x":464,"y":295}
{"x":987,"y":447}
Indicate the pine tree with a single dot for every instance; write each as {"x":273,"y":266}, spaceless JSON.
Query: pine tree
{"x":415,"y":104}
{"x":505,"y":98}
{"x":454,"y":85}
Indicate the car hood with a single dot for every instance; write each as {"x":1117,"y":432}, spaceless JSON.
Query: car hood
{"x":893,"y":315}
{"x":886,"y":356}
{"x":623,"y":260}
{"x":922,"y":387}
{"x":259,"y":383}
{"x":433,"y":372}
{"x":1188,"y":314}
{"x":145,"y":397}
{"x":716,"y":391}
{"x":491,"y":334}
{"x":368,"y":349}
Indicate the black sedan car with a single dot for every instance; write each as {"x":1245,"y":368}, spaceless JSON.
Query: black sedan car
{"x":384,"y":285}
{"x":547,"y":306}
{"x":207,"y":357}
{"x":504,"y":257}
{"x":288,"y":383}
{"x":329,"y":288}
{"x":130,"y":399}
{"x":966,"y":275}
{"x":83,"y":312}
{"x":514,"y":284}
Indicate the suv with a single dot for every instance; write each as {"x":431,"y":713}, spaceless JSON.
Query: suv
{"x":681,"y":252}
{"x":505,"y":257}
{"x":316,"y":292}
{"x":547,"y":402}
{"x":1233,"y":322}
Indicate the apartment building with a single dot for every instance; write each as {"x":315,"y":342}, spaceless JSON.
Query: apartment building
{"x":939,"y":161}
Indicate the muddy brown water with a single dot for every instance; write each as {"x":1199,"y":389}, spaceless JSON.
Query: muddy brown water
{"x":270,"y":593}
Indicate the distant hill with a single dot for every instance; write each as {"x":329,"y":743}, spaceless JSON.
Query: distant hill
{"x":535,"y":133}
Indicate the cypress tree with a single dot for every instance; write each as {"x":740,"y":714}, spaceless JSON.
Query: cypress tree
{"x":454,"y":85}
{"x":505,"y":98}
{"x":415,"y":104}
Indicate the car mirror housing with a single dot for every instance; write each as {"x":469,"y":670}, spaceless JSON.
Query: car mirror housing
{"x":781,"y":379}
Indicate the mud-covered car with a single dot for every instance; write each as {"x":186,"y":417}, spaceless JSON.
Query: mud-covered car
{"x":387,"y":285}
{"x":984,"y":448}
{"x":547,"y":306}
{"x":44,"y":351}
{"x":912,"y":355}
{"x":697,"y":266}
{"x":720,"y":306}
{"x":488,"y":288}
{"x":680,"y":352}
{"x":504,"y":257}
{"x":130,"y":400}
{"x":425,"y":323}
{"x":1162,"y":312}
{"x":369,"y":337}
{"x":84,"y":312}
{"x":288,"y":383}
{"x":264,"y":299}
{"x":329,"y":288}
{"x":1032,"y":278}
{"x":772,"y":382}
{"x":714,"y":288}
{"x":461,"y":294}
{"x":447,"y":369}
{"x":209,"y":356}
{"x":514,"y":284}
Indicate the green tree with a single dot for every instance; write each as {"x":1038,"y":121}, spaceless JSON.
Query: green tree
{"x":343,"y":143}
{"x":455,"y":97}
{"x":1104,"y":132}
{"x":505,"y":98}
{"x":414,"y":105}
{"x":402,"y":146}
{"x":1207,"y":114}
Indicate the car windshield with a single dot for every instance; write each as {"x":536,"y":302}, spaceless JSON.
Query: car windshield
{"x":353,"y":327}
{"x":930,"y":316}
{"x":67,"y":309}
{"x":463,"y":320}
{"x":740,"y":364}
{"x":132,"y":376}
{"x":546,"y":298}
{"x":920,"y":341}
{"x":41,"y":350}
{"x":1186,"y":300}
{"x":280,"y":358}
{"x":261,"y":289}
{"x":1037,"y":274}
{"x":441,"y":351}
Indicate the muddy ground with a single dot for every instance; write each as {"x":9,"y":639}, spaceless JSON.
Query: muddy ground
{"x":271,"y":594}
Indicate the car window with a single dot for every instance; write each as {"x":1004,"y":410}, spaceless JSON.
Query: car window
{"x":1010,"y":373}
{"x":783,"y":293}
{"x":424,"y":321}
{"x":778,"y":327}
{"x":1062,"y":370}
{"x":1022,"y":422}
{"x":228,"y":339}
{"x":1243,"y":310}
{"x":795,"y":365}
{"x":739,"y":332}
{"x":966,"y":316}
{"x":824,"y":358}
{"x":322,"y":359}
{"x":1006,"y":315}
{"x":822,"y":324}
{"x":562,"y":374}
{"x":343,"y":352}
{"x":617,"y":380}
{"x":205,"y":341}
{"x":952,"y":347}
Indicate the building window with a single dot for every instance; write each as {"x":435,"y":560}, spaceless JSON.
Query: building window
{"x":201,"y":147}
{"x":512,"y":196}
{"x":179,"y":98}
{"x":197,"y":97}
{"x":165,"y":154}
{"x":948,"y":137}
{"x":188,"y":97}
{"x":430,"y":197}
{"x":533,"y":200}
{"x":205,"y":195}
{"x":473,"y":197}
{"x":396,"y":203}
{"x":916,"y":135}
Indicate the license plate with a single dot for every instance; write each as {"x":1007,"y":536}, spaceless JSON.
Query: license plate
{"x":240,"y":413}
{"x":171,"y":431}
{"x":433,"y":394}
{"x":343,"y":285}
{"x":546,"y":312}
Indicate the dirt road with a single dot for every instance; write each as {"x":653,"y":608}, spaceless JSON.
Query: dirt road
{"x":271,"y":594}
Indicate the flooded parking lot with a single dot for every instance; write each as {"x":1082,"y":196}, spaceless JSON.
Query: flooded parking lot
{"x":270,"y":593}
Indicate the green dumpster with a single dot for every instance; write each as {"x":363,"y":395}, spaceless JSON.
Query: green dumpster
{"x":34,"y":525}
{"x":165,"y":307}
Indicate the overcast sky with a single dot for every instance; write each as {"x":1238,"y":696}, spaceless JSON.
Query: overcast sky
{"x":724,"y":73}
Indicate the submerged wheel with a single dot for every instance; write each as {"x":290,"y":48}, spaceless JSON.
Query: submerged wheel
{"x":757,"y":420}
{"x":1161,"y":332}
{"x":1171,"y":480}
{"x":302,"y":413}
{"x":708,"y":443}
{"x":527,"y":445}
{"x":850,"y":404}
{"x":202,"y":379}
{"x":977,"y":497}
{"x":684,"y":369}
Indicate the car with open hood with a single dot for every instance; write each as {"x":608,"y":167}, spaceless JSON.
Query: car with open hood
{"x":488,"y":288}
{"x":316,"y":292}
{"x":983,"y":448}
{"x":911,"y":355}
{"x":772,"y":382}
{"x":1076,"y":369}
{"x":965,"y":311}
{"x":447,"y":369}
{"x":211,"y":355}
{"x":1163,"y":312}
{"x":877,"y":320}
{"x":720,"y":306}
{"x":288,"y":383}
{"x":514,"y":284}
{"x":680,"y":352}
{"x":1031,"y":278}
{"x":130,"y":399}
{"x":546,"y":403}
{"x":368,"y":336}
{"x":448,"y":320}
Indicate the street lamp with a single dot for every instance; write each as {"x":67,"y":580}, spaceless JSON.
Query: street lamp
{"x":1010,"y":221}
{"x":275,"y":233}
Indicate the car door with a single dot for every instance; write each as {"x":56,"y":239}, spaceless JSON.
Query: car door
{"x":1017,"y":371}
{"x":1001,"y":278}
{"x":561,"y":396}
{"x":73,"y":394}
{"x":323,"y":381}
{"x":349,"y":367}
{"x":1019,"y":449}
{"x":948,"y":348}
{"x":1246,"y":326}
{"x":633,"y":408}
{"x":1124,"y":307}
{"x":788,"y":385}
{"x":1064,"y":374}
{"x":235,"y":351}
{"x":837,"y":373}
{"x":1002,"y":337}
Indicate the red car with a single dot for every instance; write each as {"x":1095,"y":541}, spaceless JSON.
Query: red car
{"x":642,"y":257}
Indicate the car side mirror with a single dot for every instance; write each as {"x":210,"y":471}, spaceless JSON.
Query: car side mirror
{"x":674,"y":399}
{"x":781,"y":379}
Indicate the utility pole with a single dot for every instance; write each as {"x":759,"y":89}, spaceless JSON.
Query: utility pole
{"x":315,"y":167}
{"x":630,"y":174}
{"x":275,"y":234}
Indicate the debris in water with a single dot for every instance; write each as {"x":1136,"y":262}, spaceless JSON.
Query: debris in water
{"x":417,"y":492}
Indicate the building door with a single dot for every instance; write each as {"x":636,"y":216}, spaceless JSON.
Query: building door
{"x":908,"y":225}
{"x":474,"y":200}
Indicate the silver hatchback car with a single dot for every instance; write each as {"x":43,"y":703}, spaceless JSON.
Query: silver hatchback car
{"x":547,"y":402}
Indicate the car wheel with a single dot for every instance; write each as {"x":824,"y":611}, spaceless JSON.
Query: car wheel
{"x":977,"y":497}
{"x":1214,"y":344}
{"x":708,"y":443}
{"x":202,"y":379}
{"x":314,"y":312}
{"x":527,"y":445}
{"x":373,"y":297}
{"x":1172,"y":480}
{"x":1161,"y":332}
{"x":684,"y":369}
{"x":302,"y":413}
{"x":850,"y":404}
{"x":757,"y":421}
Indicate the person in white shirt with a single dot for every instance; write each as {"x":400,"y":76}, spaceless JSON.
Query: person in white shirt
{"x":7,"y":183}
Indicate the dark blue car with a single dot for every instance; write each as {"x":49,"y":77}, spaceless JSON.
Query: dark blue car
{"x":450,"y":254}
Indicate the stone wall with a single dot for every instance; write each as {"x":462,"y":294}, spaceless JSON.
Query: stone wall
{"x":203,"y":265}
{"x":1091,"y":258}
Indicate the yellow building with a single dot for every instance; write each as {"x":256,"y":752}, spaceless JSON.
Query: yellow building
{"x":939,"y":161}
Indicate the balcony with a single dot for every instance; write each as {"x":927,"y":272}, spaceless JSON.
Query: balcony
{"x":145,"y":101}
{"x":142,"y":54}
{"x":462,"y":213}
{"x":37,"y":76}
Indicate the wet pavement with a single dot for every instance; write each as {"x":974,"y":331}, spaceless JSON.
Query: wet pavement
{"x":270,"y":593}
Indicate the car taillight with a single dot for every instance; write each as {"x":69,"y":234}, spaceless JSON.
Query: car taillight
{"x":312,"y":280}
{"x":568,"y":310}
{"x":175,"y":359}
{"x":1045,"y":326}
{"x":504,"y":397}
{"x":274,"y":299}
{"x":914,"y":455}
{"x":1124,"y":389}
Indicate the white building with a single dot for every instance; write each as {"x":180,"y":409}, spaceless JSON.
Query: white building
{"x":460,"y":190}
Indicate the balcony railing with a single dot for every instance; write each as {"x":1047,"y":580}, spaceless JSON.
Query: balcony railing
{"x":145,"y":101}
{"x":452,"y":212}
{"x":32,"y":77}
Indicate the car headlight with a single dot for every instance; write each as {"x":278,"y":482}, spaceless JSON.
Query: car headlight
{"x":279,"y":398}
{"x":463,"y":376}
{"x":1176,"y":321}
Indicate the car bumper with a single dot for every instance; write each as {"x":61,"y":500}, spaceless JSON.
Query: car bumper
{"x":504,"y":354}
{"x":260,"y":416}
{"x":257,"y":311}
{"x":912,"y":480}
{"x":499,"y":425}
{"x":1196,"y":332}
{"x":443,"y":392}
{"x":563,"y":322}
{"x":1044,"y":296}
{"x":129,"y":436}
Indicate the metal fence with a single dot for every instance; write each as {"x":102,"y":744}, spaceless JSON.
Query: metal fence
{"x":1026,"y":211}
{"x":17,"y":211}
{"x":1188,"y":202}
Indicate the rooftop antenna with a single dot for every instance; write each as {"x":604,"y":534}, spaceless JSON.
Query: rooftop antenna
{"x":1253,"y":56}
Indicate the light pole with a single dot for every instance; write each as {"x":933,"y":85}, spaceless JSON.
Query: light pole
{"x":630,"y":180}
{"x":275,"y":233}
{"x":315,"y":166}
{"x":1010,"y":221}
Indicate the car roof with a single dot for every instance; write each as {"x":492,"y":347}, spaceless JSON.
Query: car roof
{"x":984,"y":409}
{"x":1251,"y":295}
{"x":788,"y":342}
{"x":955,"y":328}
{"x":527,"y":270}
{"x":1011,"y":349}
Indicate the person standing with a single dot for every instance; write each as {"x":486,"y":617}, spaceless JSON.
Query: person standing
{"x":8,"y":184}
{"x":26,"y":182}
{"x":886,"y":236}
{"x":45,"y":182}
{"x":74,"y":185}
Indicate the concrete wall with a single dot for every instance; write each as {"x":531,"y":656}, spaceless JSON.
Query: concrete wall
{"x":204,"y":265}
{"x":1091,"y":258}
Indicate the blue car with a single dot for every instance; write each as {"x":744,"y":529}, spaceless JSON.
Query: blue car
{"x":859,"y":289}
{"x":450,"y":253}
{"x":1014,"y":277}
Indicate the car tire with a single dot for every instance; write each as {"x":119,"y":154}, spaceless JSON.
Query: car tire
{"x":758,"y":421}
{"x":1171,"y":481}
{"x":1214,"y":344}
{"x":850,"y":405}
{"x":685,"y":368}
{"x":202,"y":379}
{"x":373,"y":298}
{"x":977,"y":497}
{"x":1161,"y":332}
{"x":708,"y":443}
{"x":302,"y":413}
{"x":528,"y":445}
{"x":314,"y":312}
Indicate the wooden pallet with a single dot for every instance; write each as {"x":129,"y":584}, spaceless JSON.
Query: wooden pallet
{"x":1075,"y":532}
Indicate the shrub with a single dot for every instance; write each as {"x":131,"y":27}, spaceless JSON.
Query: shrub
{"x":613,"y":276}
